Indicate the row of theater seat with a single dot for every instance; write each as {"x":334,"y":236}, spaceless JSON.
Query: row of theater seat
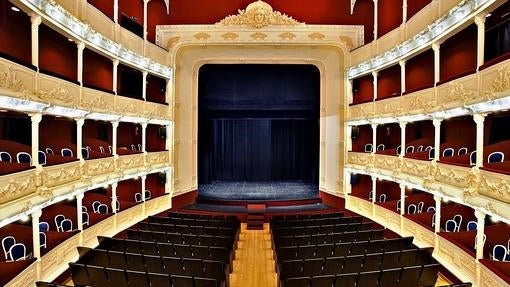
{"x":179,"y":238}
{"x":307,"y":216}
{"x":194,"y":221}
{"x":302,"y":222}
{"x":322,"y":229}
{"x":344,"y":249}
{"x":194,"y":229}
{"x":347,"y":236}
{"x":424,"y":275}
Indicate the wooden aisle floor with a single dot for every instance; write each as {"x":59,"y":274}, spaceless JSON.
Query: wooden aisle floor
{"x":254,"y":265}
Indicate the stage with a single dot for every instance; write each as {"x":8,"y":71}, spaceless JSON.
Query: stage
{"x":257,"y":191}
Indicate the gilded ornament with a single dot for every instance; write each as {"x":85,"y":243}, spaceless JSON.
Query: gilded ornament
{"x":230,"y":36}
{"x":501,"y":83}
{"x":457,"y":92}
{"x":316,"y":36}
{"x":258,"y":36}
{"x":287,"y":36}
{"x":257,"y":15}
{"x":171,"y":42}
{"x":202,"y":36}
{"x":9,"y":80}
{"x":57,"y":93}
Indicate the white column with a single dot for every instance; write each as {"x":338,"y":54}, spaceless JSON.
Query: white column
{"x":437,"y":138}
{"x":402,"y":139}
{"x":374,"y":189}
{"x":144,"y":137}
{"x":36,"y":20}
{"x":115,"y":125}
{"x":480,"y":231}
{"x":142,"y":180}
{"x":437,"y":226}
{"x":35,"y":119}
{"x":374,"y":75}
{"x":35,"y":233}
{"x":79,"y":204}
{"x":374,"y":138}
{"x":480,"y":24}
{"x":169,"y":138}
{"x":114,"y":197}
{"x":145,"y":2}
{"x":437,"y":62}
{"x":79,"y":137}
{"x":376,"y":17}
{"x":144,"y":85}
{"x":347,"y":181}
{"x":81,"y":47}
{"x":168,"y":93}
{"x":168,"y":182}
{"x":115,"y":73}
{"x":402,"y":199}
{"x":116,"y":11}
{"x":402,"y":64}
{"x":404,"y":11}
{"x":479,"y":120}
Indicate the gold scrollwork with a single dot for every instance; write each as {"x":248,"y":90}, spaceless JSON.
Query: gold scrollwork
{"x":9,"y":80}
{"x":457,"y":92}
{"x":501,"y":83}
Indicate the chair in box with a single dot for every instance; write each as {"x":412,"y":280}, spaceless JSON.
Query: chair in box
{"x":447,"y":152}
{"x":24,"y":157}
{"x":496,"y":156}
{"x":5,"y":156}
{"x":7,"y":243}
{"x":472,"y":225}
{"x":66,"y":225}
{"x":58,"y":221}
{"x":462,"y":151}
{"x":85,"y":153}
{"x":85,"y":218}
{"x":95,"y":205}
{"x":41,"y":157}
{"x":44,"y":226}
{"x":450,"y":225}
{"x":42,"y":239}
{"x":66,"y":152}
{"x":458,"y":220}
{"x":368,"y":148}
{"x":102,"y":208}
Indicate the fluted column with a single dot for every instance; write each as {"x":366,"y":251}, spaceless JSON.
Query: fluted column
{"x":437,"y":138}
{"x":374,"y":75}
{"x":479,"y":120}
{"x":437,"y":62}
{"x":144,"y":137}
{"x":115,"y":125}
{"x":374,"y":138}
{"x":376,"y":18}
{"x":79,"y":204}
{"x":81,"y":47}
{"x":36,"y":21}
{"x":79,"y":138}
{"x":437,"y":226}
{"x":402,"y":199}
{"x":480,"y":231}
{"x":144,"y":85}
{"x":374,"y":189}
{"x":115,"y":74}
{"x":142,"y":180}
{"x":480,"y":25}
{"x":402,"y":139}
{"x":402,"y":64}
{"x":35,"y":233}
{"x":114,"y":197}
{"x":35,"y":119}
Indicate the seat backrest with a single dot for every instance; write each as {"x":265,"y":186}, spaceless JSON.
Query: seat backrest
{"x":84,"y":153}
{"x":382,"y":197}
{"x":95,"y":205}
{"x":103,"y":208}
{"x":110,"y":149}
{"x":148,"y":194}
{"x":44,"y":226}
{"x":42,"y":239}
{"x":368,"y":148}
{"x":447,"y":152}
{"x":41,"y":157}
{"x":410,"y":149}
{"x":7,"y":242}
{"x":496,"y":156}
{"x":450,"y":225}
{"x":18,"y":252}
{"x":431,"y":153}
{"x":101,"y":149}
{"x":411,"y":208}
{"x":58,"y":221}
{"x":24,"y":157}
{"x":66,"y":152}
{"x":420,"y":206}
{"x":380,"y":147}
{"x":431,"y":209}
{"x":462,"y":151}
{"x":48,"y":150}
{"x":458,"y":219}
{"x":66,"y":225}
{"x":85,"y":218}
{"x":5,"y":156}
{"x":419,"y":149}
{"x":138,"y":197}
{"x":499,"y":252}
{"x":472,"y":158}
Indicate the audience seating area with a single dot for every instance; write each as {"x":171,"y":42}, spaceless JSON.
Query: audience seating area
{"x":176,"y":250}
{"x":350,"y":252}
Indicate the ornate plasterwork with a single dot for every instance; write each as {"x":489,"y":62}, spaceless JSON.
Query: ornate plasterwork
{"x":9,"y":80}
{"x":257,"y":15}
{"x":57,"y":93}
{"x":500,"y":84}
{"x":457,"y":92}
{"x":17,"y":186}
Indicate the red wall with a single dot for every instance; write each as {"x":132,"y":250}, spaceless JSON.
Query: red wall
{"x":156,"y":89}
{"x":420,"y":71}
{"x":391,"y":189}
{"x":152,"y":183}
{"x":365,"y":89}
{"x":414,"y":6}
{"x":427,"y":130}
{"x":22,"y":234}
{"x":460,"y":130}
{"x":53,"y":129}
{"x":126,"y":189}
{"x":105,"y":6}
{"x":15,"y":39}
{"x":363,"y":186}
{"x":128,"y":134}
{"x":184,"y":199}
{"x":91,"y":129}
{"x":365,"y":137}
{"x":97,"y":70}
{"x":57,"y":54}
{"x":133,"y":8}
{"x":310,"y":12}
{"x":154,"y":142}
{"x":390,"y":16}
{"x":388,"y":82}
{"x":389,"y":135}
{"x":458,"y":54}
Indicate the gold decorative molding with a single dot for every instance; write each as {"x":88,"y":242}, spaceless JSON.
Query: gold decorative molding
{"x":501,"y":82}
{"x":258,"y":36}
{"x":9,"y":80}
{"x":494,"y":187}
{"x":457,"y":92}
{"x":257,"y":15}
{"x":316,"y":36}
{"x":202,"y":36}
{"x":57,"y":93}
{"x":17,"y":185}
{"x":172,"y":41}
{"x":287,"y":36}
{"x":230,"y":36}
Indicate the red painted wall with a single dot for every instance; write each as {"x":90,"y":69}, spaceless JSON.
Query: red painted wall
{"x":15,"y":39}
{"x":184,"y":199}
{"x":420,"y":71}
{"x":105,"y":6}
{"x":156,"y":88}
{"x":153,"y":184}
{"x":53,"y":129}
{"x":426,"y":127}
{"x":388,"y":82}
{"x":57,"y":54}
{"x":365,"y":137}
{"x":389,"y":135}
{"x":460,"y":130}
{"x":391,"y":189}
{"x":91,"y":129}
{"x":458,"y":54}
{"x":126,"y":189}
{"x":414,"y":6}
{"x":154,"y":142}
{"x":390,"y":16}
{"x":97,"y":70}
{"x":132,"y":8}
{"x":128,"y":134}
{"x":362,"y":187}
{"x":310,"y":12}
{"x":363,"y":89}
{"x":332,"y":200}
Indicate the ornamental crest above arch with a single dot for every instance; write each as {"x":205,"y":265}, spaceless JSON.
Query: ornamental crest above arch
{"x":257,"y":15}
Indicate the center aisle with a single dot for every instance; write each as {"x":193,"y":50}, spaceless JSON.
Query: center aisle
{"x":254,"y":263}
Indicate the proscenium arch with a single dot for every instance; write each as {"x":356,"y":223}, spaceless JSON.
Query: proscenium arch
{"x":330,"y":60}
